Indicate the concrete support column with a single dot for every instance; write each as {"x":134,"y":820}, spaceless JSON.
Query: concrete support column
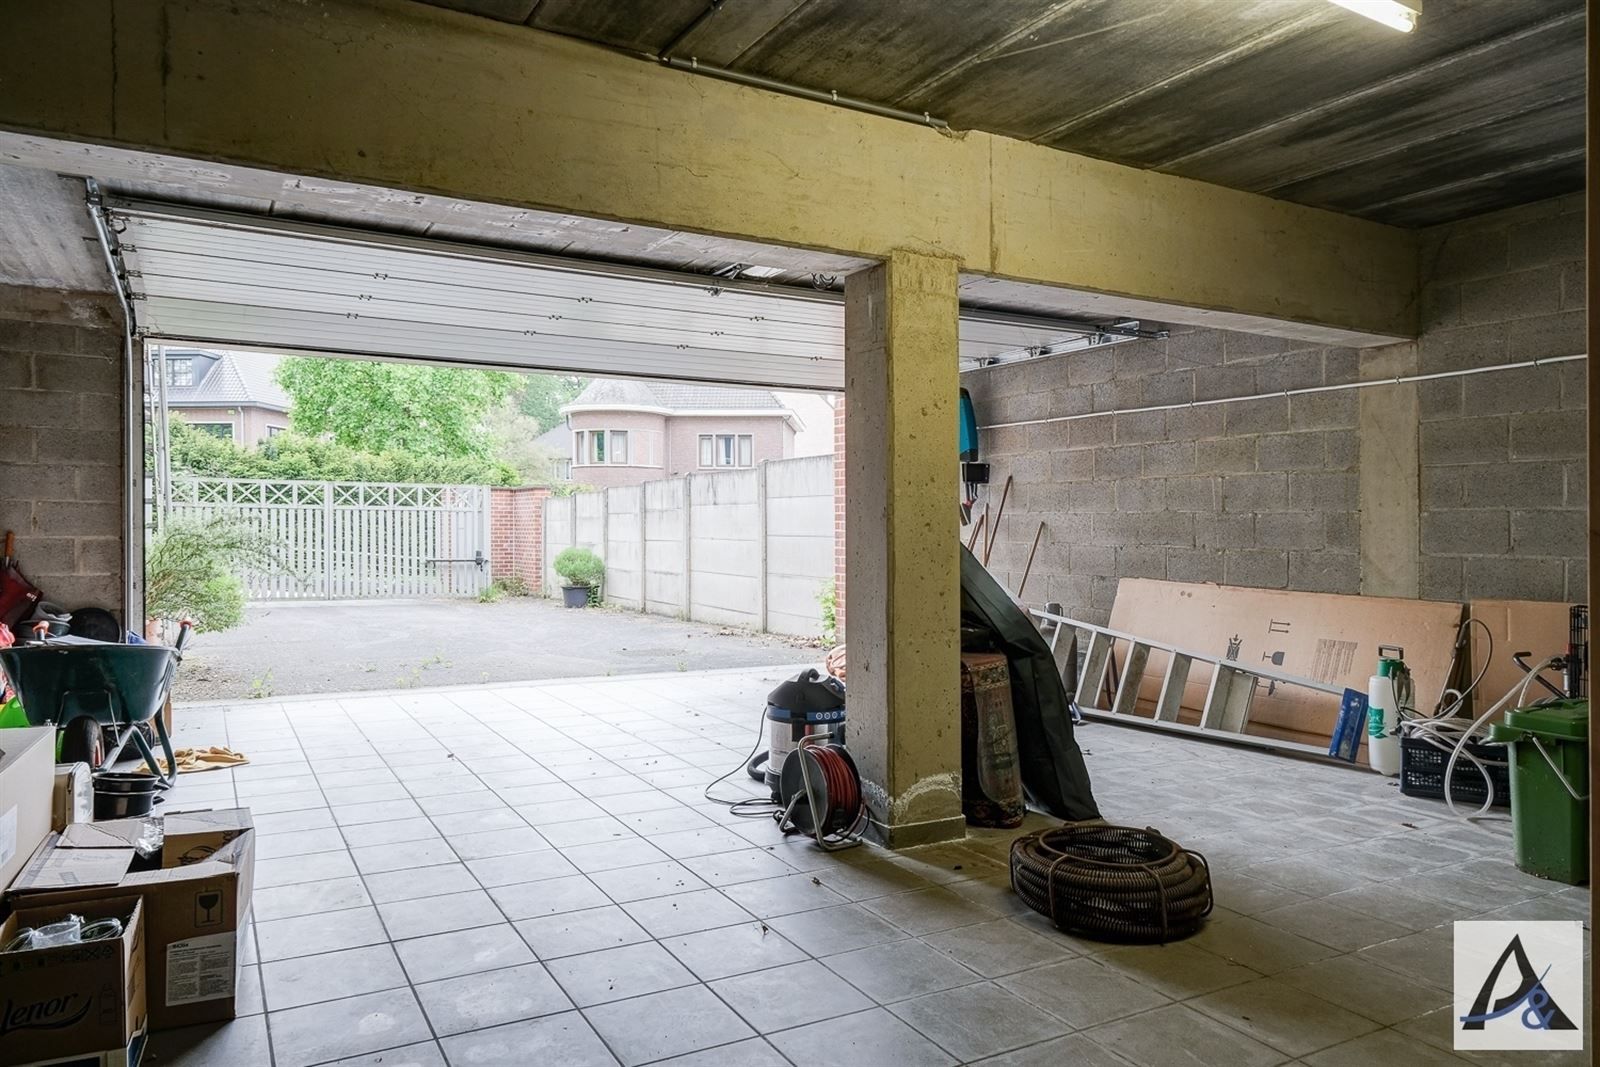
{"x":902,"y":554}
{"x":1390,"y":481}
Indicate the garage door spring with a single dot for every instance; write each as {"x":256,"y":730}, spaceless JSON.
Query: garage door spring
{"x":1114,"y":883}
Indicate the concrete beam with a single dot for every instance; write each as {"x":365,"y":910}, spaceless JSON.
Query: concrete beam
{"x":1391,"y":478}
{"x":413,"y":97}
{"x":902,"y":555}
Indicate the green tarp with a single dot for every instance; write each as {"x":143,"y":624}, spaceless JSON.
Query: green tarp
{"x":1053,"y":773}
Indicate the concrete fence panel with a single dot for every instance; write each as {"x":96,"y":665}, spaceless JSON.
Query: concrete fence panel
{"x":558,"y":515}
{"x":623,"y":555}
{"x":664,"y":550}
{"x":751,"y":548}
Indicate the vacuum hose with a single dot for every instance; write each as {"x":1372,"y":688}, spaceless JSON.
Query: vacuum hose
{"x":1115,"y":883}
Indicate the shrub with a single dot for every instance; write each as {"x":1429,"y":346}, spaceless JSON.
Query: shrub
{"x":191,"y":571}
{"x":500,"y":588}
{"x":579,"y":566}
{"x":828,"y":598}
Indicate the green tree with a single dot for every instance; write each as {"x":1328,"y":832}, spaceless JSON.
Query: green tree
{"x":386,"y":407}
{"x":543,"y":395}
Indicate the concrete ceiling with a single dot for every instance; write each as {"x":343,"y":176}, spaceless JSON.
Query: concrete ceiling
{"x":47,"y":241}
{"x":1480,"y":108}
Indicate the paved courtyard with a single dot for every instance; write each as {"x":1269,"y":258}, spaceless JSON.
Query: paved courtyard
{"x":287,"y":648}
{"x":531,"y":874}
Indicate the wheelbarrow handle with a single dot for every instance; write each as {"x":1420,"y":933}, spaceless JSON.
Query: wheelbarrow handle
{"x":185,"y":628}
{"x":41,"y":630}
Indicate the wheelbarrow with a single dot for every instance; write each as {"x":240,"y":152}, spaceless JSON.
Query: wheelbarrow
{"x":98,"y":694}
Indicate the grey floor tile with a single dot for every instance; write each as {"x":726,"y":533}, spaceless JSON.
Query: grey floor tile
{"x":408,"y":855}
{"x":685,"y":913}
{"x":648,"y":880}
{"x":585,"y":832}
{"x":703,"y":841}
{"x":242,"y":1042}
{"x":1384,"y":1047}
{"x":618,"y":973}
{"x":1329,"y":924}
{"x":745,"y":865}
{"x":827,"y":931}
{"x":731,"y":950}
{"x":927,"y":911}
{"x":1291,"y":1021}
{"x":669,"y":1023}
{"x":491,"y":998}
{"x":365,"y":835}
{"x":308,"y":935}
{"x":318,"y":818}
{"x":869,"y":1037}
{"x":293,"y":870}
{"x":999,"y":948}
{"x":375,"y":811}
{"x":452,"y":801}
{"x":899,"y":970}
{"x":551,"y":896}
{"x":1176,"y":970}
{"x":574,"y":932}
{"x":1367,"y":989}
{"x":974,"y":1021}
{"x":766,"y":999}
{"x":344,"y":1028}
{"x":877,"y":878}
{"x":438,"y":915}
{"x":422,"y":1054}
{"x":497,"y":843}
{"x":281,"y":846}
{"x":477,"y":822}
{"x":306,"y":898}
{"x":422,"y":882}
{"x":1179,"y":1036}
{"x":484,"y":948}
{"x":293,"y":983}
{"x":1427,"y":957}
{"x":1083,"y":991}
{"x":752,"y":1052}
{"x":783,"y":896}
{"x":522,"y":867}
{"x":1257,"y":945}
{"x":1074,"y":1050}
{"x":565,"y":1039}
{"x":613,"y":853}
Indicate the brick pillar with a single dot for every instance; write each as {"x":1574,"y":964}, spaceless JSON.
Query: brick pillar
{"x":516,"y":534}
{"x":838,"y":515}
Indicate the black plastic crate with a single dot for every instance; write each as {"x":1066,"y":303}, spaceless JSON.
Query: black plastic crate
{"x":1422,"y":766}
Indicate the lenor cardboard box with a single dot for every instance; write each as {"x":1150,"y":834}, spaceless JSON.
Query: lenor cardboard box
{"x":27,"y":781}
{"x":74,"y":1002}
{"x":73,"y":799}
{"x":195,"y":914}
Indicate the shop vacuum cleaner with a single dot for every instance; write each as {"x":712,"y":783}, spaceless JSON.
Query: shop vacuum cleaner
{"x":808,"y":705}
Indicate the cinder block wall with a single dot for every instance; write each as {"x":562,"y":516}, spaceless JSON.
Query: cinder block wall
{"x":61,"y":442}
{"x":1266,"y":493}
{"x":1504,"y":473}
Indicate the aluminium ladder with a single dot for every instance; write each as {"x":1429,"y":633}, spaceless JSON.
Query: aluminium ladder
{"x":1225,"y":711}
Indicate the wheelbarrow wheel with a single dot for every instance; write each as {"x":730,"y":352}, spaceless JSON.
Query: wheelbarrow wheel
{"x":81,"y":742}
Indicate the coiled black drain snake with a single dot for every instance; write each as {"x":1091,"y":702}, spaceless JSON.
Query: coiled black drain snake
{"x":1115,"y":883}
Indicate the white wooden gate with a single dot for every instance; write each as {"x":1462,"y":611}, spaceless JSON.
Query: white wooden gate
{"x":353,"y":540}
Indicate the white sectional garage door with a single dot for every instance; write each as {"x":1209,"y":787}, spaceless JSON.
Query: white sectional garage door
{"x":229,"y":280}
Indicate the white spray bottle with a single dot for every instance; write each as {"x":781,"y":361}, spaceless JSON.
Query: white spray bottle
{"x":1383,"y":713}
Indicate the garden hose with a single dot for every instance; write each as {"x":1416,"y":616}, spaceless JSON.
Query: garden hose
{"x":1113,"y":883}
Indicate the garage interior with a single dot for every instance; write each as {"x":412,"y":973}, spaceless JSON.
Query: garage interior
{"x":1264,"y":297}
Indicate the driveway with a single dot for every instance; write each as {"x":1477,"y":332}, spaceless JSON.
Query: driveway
{"x":339,"y":646}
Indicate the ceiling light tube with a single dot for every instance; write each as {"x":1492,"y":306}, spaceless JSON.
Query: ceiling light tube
{"x":1399,"y":15}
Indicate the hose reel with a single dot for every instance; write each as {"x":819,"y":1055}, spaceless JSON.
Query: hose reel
{"x":1112,"y":883}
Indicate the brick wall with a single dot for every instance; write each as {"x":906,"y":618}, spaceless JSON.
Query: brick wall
{"x":516,"y":534}
{"x":61,"y":442}
{"x":1503,"y":463}
{"x":1265,"y":493}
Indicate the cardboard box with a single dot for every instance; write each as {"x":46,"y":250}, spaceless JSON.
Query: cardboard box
{"x":1323,"y":637}
{"x":27,"y":780}
{"x":74,"y":1002}
{"x":1537,"y":627}
{"x":196,"y":913}
{"x":73,"y":800}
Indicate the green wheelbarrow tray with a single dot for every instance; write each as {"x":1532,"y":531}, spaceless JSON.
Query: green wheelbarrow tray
{"x":119,"y":686}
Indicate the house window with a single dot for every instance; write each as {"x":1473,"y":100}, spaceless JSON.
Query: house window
{"x":727,"y":450}
{"x":224,"y":430}
{"x":600,"y":447}
{"x":180,"y":372}
{"x":561,"y":470}
{"x":273,"y":431}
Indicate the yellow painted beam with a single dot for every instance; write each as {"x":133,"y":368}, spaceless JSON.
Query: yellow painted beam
{"x":413,"y":97}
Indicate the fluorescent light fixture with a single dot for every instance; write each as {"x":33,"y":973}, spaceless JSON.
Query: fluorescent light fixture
{"x":760,"y":272}
{"x":1399,"y":15}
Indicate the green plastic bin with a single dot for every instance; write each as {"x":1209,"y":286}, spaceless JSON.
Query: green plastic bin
{"x":1549,"y":747}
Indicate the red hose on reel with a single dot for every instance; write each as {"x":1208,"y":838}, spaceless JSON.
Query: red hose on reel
{"x":844,"y":788}
{"x":829,"y":771}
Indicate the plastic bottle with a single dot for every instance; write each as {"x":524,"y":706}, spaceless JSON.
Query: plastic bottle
{"x":1383,"y":720}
